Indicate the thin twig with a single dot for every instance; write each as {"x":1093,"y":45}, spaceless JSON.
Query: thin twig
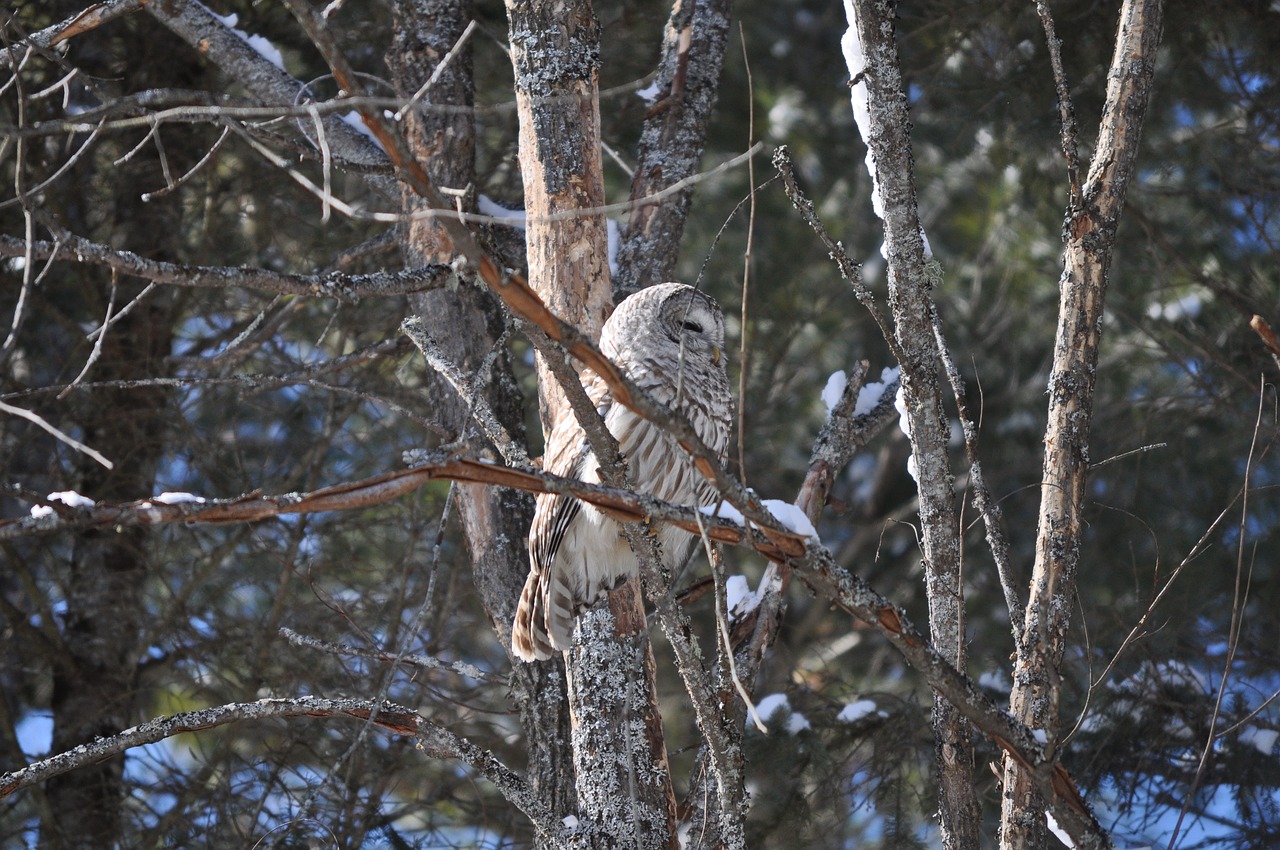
{"x":425,"y":662}
{"x":35,"y":419}
{"x":1066,"y":109}
{"x":344,"y":287}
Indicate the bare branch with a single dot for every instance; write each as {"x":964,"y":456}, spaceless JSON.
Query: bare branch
{"x":1066,"y":108}
{"x":62,"y":436}
{"x":623,"y":505}
{"x":436,"y":741}
{"x":345,"y":287}
{"x":425,"y":662}
{"x":88,"y":19}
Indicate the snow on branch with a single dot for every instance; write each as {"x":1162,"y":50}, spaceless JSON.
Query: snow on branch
{"x":621,"y":504}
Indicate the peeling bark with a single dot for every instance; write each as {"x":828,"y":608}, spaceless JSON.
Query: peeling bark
{"x":466,"y":324}
{"x":1090,"y":235}
{"x":555,"y":50}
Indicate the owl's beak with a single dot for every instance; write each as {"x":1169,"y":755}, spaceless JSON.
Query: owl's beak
{"x":715,"y":354}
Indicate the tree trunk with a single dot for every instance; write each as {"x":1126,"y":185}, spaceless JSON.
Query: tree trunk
{"x":555,"y":54}
{"x":466,"y":325}
{"x":1090,"y":231}
{"x":911,"y":304}
{"x":95,"y":688}
{"x":555,"y":49}
{"x":672,"y":140}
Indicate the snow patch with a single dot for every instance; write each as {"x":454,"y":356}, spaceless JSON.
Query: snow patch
{"x":797,"y":723}
{"x":41,"y":511}
{"x":611,"y":230}
{"x":262,"y":46}
{"x":739,"y":600}
{"x":775,"y":704}
{"x":1058,"y":832}
{"x":650,"y":93}
{"x":996,"y":680}
{"x":510,"y":217}
{"x":900,"y":405}
{"x":836,"y":382}
{"x":858,"y":709}
{"x":790,"y":516}
{"x":904,"y":423}
{"x":168,"y":498}
{"x":856,"y":61}
{"x":870,"y":394}
{"x":571,"y":821}
{"x":772,"y":704}
{"x":71,"y":499}
{"x":355,"y":122}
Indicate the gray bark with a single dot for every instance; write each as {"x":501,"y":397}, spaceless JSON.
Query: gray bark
{"x":466,"y":325}
{"x":911,"y":305}
{"x":672,"y":140}
{"x":555,"y":56}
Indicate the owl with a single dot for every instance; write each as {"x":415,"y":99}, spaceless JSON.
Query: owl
{"x":669,"y":340}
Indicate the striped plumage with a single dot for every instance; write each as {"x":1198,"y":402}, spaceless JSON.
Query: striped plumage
{"x":669,"y":339}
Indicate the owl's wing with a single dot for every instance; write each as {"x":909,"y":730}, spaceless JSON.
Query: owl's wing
{"x":549,"y":602}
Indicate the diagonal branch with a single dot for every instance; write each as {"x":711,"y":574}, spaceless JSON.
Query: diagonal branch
{"x":83,"y":21}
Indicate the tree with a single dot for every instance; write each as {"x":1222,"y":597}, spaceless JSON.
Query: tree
{"x":255,"y":260}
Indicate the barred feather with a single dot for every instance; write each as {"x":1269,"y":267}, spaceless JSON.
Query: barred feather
{"x":668,"y":339}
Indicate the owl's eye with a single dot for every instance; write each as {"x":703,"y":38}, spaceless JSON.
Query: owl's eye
{"x":693,"y":327}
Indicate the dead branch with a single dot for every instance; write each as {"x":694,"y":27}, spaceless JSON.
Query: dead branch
{"x":345,"y":287}
{"x":436,"y":741}
{"x":88,"y":19}
{"x":623,"y":505}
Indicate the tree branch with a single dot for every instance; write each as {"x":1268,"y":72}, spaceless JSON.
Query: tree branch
{"x":344,"y":287}
{"x":436,"y":741}
{"x":83,"y":21}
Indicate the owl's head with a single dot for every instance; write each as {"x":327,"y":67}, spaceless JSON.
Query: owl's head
{"x":667,"y":318}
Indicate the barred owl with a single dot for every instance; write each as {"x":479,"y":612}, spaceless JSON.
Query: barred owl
{"x":669,"y":340}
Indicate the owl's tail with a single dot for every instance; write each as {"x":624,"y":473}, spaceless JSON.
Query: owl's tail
{"x":544,"y":618}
